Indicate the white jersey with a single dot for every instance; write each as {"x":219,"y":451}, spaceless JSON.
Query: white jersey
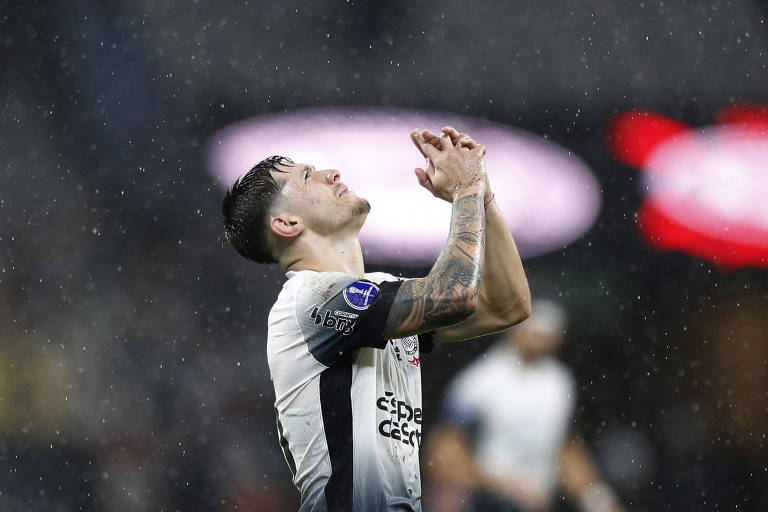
{"x":518,"y":414}
{"x":348,"y":401}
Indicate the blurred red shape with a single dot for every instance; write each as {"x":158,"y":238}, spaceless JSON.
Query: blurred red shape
{"x":750,"y":116}
{"x":663,"y":232}
{"x":632,"y":137}
{"x":705,"y":187}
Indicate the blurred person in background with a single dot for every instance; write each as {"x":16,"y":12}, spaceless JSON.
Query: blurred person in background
{"x":505,"y":436}
{"x":344,"y":345}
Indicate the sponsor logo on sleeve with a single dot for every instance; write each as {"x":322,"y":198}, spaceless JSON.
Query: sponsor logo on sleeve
{"x":341,"y":321}
{"x":360,"y":294}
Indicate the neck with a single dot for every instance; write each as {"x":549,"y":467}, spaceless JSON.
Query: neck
{"x":524,"y":356}
{"x":324,"y":254}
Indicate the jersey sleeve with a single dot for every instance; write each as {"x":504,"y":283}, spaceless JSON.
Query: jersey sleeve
{"x":343,"y":314}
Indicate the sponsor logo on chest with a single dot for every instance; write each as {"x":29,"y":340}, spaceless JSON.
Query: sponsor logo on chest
{"x":403,"y":422}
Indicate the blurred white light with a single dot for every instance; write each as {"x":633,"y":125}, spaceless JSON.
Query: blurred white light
{"x":713,"y":181}
{"x":548,"y":196}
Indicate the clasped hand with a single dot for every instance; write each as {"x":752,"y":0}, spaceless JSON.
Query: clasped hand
{"x":454,"y":163}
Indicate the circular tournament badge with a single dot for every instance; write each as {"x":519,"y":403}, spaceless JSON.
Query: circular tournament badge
{"x":360,"y":294}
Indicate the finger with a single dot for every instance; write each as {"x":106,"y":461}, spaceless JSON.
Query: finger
{"x":414,"y":139}
{"x":450,"y":130}
{"x":421,"y":175}
{"x":453,"y":133}
{"x":462,"y":139}
{"x":427,"y":149}
{"x":428,"y":136}
{"x":432,"y":138}
{"x":467,"y":141}
{"x":446,"y":142}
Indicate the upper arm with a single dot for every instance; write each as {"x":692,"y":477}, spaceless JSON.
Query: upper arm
{"x":428,"y":303}
{"x":493,"y":314}
{"x":481,"y":323}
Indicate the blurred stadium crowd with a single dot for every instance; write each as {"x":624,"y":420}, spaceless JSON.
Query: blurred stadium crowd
{"x":132,"y":366}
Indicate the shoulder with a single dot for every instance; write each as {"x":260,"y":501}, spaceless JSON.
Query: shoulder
{"x":307,"y":287}
{"x":381,"y":277}
{"x":314,"y":278}
{"x":475,"y":376}
{"x":561,"y":374}
{"x":317,"y":286}
{"x":287,"y":296}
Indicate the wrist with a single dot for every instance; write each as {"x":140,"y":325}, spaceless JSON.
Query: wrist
{"x":488,"y":192}
{"x":469,"y":189}
{"x":597,"y":498}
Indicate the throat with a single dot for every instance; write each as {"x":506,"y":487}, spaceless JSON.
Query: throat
{"x":326,"y":255}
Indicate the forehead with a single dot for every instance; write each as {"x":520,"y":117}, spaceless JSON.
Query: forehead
{"x":291,"y":169}
{"x":291,"y":175}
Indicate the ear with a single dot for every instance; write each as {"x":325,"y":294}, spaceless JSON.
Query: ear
{"x":284,"y":227}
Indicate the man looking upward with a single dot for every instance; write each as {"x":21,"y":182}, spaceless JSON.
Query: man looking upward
{"x":343,"y":345}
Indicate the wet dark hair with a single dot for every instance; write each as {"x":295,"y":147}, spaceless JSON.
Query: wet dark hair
{"x":245,"y":210}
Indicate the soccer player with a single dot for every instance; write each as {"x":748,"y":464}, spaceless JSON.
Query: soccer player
{"x":344,"y":346}
{"x":512,"y":449}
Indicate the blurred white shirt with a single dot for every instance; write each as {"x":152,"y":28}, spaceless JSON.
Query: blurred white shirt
{"x":518,"y":414}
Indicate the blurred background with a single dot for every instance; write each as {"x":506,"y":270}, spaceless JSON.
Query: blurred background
{"x":133,"y":373}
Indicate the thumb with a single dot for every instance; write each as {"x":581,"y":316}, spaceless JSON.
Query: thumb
{"x":421,"y":175}
{"x":424,"y":180}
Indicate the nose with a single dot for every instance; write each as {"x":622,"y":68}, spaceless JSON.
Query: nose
{"x":332,"y":176}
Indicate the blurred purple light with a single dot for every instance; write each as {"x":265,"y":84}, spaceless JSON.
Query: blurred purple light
{"x":548,"y":195}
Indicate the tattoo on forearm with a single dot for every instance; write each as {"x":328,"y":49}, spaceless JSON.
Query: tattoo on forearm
{"x":439,"y":299}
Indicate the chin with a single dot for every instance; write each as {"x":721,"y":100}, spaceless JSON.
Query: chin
{"x":362,"y":206}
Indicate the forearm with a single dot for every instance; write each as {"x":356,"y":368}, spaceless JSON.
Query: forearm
{"x":452,"y":462}
{"x":464,"y":250}
{"x":504,"y":298}
{"x":582,"y":481}
{"x":450,"y":292}
{"x":504,"y":288}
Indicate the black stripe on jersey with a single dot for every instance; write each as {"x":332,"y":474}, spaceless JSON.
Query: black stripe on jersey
{"x":336,"y":405}
{"x":286,"y":449}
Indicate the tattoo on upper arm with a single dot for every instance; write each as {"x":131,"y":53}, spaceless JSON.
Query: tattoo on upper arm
{"x":439,"y":299}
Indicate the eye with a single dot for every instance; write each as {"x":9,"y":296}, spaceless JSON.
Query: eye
{"x":306,"y":174}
